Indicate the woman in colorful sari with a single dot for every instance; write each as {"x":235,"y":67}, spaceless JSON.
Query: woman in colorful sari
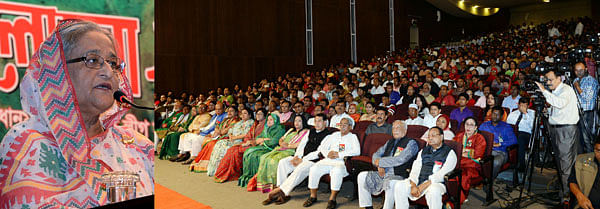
{"x":265,"y":142}
{"x":55,"y":159}
{"x":200,"y":163}
{"x":370,"y":114}
{"x":235,"y":135}
{"x":474,"y":145}
{"x":266,"y":176}
{"x":230,"y":167}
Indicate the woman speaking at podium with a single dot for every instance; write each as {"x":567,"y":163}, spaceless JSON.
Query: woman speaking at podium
{"x":56,"y":158}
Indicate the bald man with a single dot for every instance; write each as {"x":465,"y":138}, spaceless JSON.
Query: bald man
{"x":392,"y":161}
{"x":334,"y":147}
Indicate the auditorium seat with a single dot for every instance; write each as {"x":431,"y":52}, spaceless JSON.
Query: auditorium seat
{"x":415,"y":131}
{"x":487,"y":166}
{"x":446,"y":110}
{"x":359,"y":130}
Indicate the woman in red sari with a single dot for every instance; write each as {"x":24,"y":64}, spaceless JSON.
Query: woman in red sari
{"x":474,"y":145}
{"x":231,"y":165}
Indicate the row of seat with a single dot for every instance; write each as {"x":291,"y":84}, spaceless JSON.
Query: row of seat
{"x":369,"y":145}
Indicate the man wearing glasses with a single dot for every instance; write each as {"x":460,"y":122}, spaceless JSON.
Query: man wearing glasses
{"x":299,"y":110}
{"x":426,"y":177}
{"x":563,"y":119}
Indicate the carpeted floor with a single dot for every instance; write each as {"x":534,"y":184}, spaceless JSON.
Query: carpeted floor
{"x":165,"y":198}
{"x":201,"y":188}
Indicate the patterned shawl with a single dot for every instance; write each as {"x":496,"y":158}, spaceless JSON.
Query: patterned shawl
{"x":49,"y":161}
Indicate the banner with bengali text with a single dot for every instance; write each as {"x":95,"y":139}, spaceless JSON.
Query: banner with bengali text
{"x":25,"y":24}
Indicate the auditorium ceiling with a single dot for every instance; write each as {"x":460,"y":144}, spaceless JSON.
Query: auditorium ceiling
{"x":475,"y":8}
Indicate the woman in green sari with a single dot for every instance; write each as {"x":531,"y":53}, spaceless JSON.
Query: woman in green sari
{"x":266,"y":176}
{"x":265,"y":142}
{"x":171,"y":140}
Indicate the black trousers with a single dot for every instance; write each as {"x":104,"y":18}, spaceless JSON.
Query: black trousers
{"x":523,"y":141}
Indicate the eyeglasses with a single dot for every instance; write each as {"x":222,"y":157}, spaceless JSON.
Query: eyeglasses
{"x":95,"y":61}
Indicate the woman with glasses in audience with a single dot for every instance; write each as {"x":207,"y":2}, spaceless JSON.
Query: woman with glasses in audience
{"x":474,"y":145}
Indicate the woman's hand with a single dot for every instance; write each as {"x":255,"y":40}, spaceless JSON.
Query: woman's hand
{"x":259,"y":141}
{"x":284,"y":144}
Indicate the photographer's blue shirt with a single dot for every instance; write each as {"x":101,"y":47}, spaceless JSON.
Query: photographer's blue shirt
{"x":589,"y":92}
{"x":503,"y":134}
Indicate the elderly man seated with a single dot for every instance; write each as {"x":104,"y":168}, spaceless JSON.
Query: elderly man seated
{"x":427,"y":174}
{"x":335,"y":147}
{"x":392,"y":161}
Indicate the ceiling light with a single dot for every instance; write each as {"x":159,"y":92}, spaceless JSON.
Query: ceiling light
{"x":475,"y":7}
{"x":546,"y":1}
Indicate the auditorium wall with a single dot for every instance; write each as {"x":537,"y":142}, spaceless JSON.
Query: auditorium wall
{"x":555,"y":10}
{"x":201,"y":45}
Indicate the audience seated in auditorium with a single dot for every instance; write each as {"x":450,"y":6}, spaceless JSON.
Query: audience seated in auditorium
{"x":430,"y":119}
{"x":461,"y":112}
{"x":235,"y":135}
{"x":221,"y":132}
{"x":503,"y":137}
{"x":340,"y":114}
{"x":334,"y":148}
{"x":523,"y":118}
{"x":443,"y":122}
{"x":507,"y":58}
{"x":298,"y":166}
{"x":230,"y":167}
{"x":380,"y":125}
{"x":474,"y":146}
{"x":393,"y":160}
{"x":512,"y":101}
{"x":444,"y":98}
{"x":268,"y":139}
{"x":426,"y":176}
{"x":191,"y":144}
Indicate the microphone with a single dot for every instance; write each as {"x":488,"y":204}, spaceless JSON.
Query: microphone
{"x":120,"y":97}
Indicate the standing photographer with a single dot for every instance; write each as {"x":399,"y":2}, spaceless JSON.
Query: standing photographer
{"x":562,"y":124}
{"x":586,"y":87}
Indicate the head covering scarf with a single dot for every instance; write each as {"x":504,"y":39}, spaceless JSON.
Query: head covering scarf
{"x":447,"y":122}
{"x":274,"y":131}
{"x":49,"y":161}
